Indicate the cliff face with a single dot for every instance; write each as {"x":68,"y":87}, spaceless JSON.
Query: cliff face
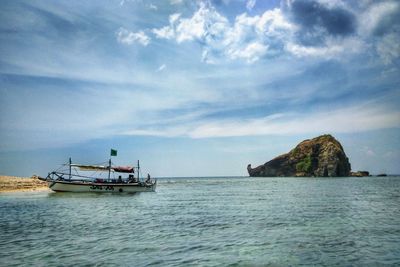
{"x":322,"y":156}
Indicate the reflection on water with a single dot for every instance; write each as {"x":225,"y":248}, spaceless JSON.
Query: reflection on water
{"x":90,"y":194}
{"x":208,"y":222}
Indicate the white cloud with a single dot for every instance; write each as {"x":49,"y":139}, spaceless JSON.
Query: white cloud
{"x":242,"y":31}
{"x":251,"y":53}
{"x":127,"y":37}
{"x":153,"y":7}
{"x":368,"y":151}
{"x":167,"y":32}
{"x":370,"y":19}
{"x":379,"y":17}
{"x":273,"y":23}
{"x":306,"y":51}
{"x":388,"y":48}
{"x":250,"y":4}
{"x":205,"y":21}
{"x":161,"y":68}
{"x":176,"y":2}
{"x":338,"y":121}
{"x":174,"y":17}
{"x":250,"y":38}
{"x":331,"y":48}
{"x":346,"y":120}
{"x":164,"y":32}
{"x":247,"y":39}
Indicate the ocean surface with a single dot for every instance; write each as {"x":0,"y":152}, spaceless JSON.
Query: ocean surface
{"x":209,"y":222}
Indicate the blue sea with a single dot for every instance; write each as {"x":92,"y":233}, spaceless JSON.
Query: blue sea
{"x":209,"y":222}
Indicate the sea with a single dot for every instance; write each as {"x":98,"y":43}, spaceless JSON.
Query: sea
{"x":214,"y":221}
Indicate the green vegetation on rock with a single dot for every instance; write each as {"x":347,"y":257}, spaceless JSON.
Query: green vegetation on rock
{"x":304,"y":165}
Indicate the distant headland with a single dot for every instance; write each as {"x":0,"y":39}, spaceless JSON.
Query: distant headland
{"x":322,"y":156}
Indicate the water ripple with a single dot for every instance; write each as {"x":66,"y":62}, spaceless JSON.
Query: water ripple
{"x":209,"y":222}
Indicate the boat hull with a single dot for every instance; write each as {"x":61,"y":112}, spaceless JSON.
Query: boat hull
{"x":84,"y":187}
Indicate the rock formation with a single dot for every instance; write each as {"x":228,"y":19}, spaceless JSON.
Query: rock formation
{"x":359,"y":174}
{"x":322,"y":156}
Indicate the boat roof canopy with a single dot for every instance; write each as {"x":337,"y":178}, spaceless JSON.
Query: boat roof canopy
{"x":90,"y":167}
{"x":124,"y":169}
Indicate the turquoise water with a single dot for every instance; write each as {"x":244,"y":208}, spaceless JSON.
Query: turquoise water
{"x":208,"y":222}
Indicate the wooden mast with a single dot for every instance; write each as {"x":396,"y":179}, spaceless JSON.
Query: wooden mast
{"x":70,"y":162}
{"x":138,"y":171}
{"x":109,"y":169}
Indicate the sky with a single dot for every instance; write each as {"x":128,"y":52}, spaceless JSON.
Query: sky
{"x":196,"y":88}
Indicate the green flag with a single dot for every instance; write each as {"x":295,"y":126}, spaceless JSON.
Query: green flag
{"x":113,"y":152}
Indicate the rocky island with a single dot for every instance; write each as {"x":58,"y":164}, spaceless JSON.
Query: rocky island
{"x":322,"y":156}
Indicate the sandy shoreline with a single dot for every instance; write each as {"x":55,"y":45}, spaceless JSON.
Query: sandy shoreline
{"x":9,"y":184}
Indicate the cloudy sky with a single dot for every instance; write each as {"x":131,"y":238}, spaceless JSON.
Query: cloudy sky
{"x":197,"y":88}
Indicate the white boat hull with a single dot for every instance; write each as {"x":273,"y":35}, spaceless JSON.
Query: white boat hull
{"x":82,"y":187}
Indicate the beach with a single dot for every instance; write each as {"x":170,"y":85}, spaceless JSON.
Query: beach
{"x":21,"y":184}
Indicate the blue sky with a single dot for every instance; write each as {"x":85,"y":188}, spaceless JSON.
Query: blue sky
{"x":196,"y":88}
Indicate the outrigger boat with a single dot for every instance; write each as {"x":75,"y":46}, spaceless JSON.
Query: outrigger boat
{"x":73,"y":181}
